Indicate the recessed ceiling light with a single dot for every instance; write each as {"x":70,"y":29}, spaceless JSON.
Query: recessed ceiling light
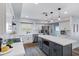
{"x":59,"y":8}
{"x":51,"y":12}
{"x":65,"y":12}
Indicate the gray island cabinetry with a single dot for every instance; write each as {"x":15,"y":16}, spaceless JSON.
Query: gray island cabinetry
{"x":51,"y":48}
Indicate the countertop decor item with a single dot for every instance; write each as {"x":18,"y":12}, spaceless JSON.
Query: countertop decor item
{"x":3,"y":47}
{"x":5,"y":50}
{"x":9,"y":43}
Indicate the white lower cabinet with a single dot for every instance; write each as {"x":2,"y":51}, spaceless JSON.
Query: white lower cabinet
{"x":27,"y":39}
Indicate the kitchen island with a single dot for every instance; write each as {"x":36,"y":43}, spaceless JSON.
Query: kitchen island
{"x":55,"y":46}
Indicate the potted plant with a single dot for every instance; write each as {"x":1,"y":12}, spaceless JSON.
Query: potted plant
{"x":9,"y":43}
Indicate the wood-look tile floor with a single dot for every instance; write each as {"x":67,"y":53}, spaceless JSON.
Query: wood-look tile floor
{"x":75,"y":52}
{"x":33,"y":50}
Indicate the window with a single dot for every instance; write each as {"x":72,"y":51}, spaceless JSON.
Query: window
{"x":26,"y":28}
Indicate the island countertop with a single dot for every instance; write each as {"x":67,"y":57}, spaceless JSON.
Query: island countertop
{"x":59,"y":40}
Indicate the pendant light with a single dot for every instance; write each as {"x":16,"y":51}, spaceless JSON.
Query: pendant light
{"x":59,"y":18}
{"x":59,"y":14}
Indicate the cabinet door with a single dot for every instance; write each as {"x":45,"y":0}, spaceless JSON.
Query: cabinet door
{"x":53,"y":52}
{"x":59,"y":50}
{"x":35,"y":37}
{"x":55,"y":49}
{"x":46,"y":49}
{"x":40,"y":42}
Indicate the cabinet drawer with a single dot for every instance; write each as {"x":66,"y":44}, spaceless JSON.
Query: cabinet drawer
{"x":46,"y":49}
{"x":55,"y":49}
{"x":54,"y":45}
{"x":55,"y":52}
{"x":40,"y":43}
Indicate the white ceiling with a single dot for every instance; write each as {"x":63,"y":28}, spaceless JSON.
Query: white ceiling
{"x":34,"y":11}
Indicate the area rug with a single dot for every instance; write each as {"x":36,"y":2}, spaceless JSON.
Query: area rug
{"x":30,"y":45}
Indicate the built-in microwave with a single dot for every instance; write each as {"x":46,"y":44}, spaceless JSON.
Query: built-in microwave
{"x":46,"y":42}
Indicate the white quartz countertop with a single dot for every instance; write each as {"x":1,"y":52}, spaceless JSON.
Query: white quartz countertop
{"x":17,"y":50}
{"x":59,"y":40}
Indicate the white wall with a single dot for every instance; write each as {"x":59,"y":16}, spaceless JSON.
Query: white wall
{"x":2,"y":18}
